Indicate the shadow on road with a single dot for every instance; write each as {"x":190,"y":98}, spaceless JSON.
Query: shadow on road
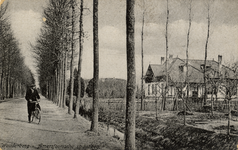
{"x":16,"y":120}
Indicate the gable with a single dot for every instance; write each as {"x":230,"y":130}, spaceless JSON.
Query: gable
{"x":149,"y":72}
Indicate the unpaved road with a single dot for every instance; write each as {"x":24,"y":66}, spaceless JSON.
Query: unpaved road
{"x":57,"y":130}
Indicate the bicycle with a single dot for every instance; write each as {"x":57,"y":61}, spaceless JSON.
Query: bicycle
{"x":36,"y":113}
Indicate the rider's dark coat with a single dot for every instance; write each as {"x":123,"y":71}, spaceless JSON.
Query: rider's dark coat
{"x":33,"y":95}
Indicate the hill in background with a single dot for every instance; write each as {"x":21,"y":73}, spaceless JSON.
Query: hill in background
{"x":108,"y":88}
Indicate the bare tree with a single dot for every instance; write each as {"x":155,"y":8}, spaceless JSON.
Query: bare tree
{"x":80,"y":60}
{"x":142,"y":58}
{"x":72,"y":59}
{"x":228,"y":87}
{"x":187,"y":80}
{"x":167,"y":51}
{"x":14,"y":75}
{"x":94,"y":124}
{"x":51,"y":51}
{"x":131,"y":78}
{"x":65,"y":56}
{"x":205,"y":60}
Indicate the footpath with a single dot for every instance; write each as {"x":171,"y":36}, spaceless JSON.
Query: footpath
{"x":57,"y":129}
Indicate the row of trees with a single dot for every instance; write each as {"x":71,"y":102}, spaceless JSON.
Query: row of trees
{"x":54,"y":48}
{"x":55,"y":51}
{"x":57,"y":45}
{"x":15,"y":76}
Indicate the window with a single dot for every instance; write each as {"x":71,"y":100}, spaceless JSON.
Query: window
{"x":171,"y":90}
{"x":153,"y":89}
{"x":181,"y":68}
{"x":195,"y":94}
{"x":148,"y":89}
{"x":211,"y":89}
{"x":202,"y":66}
{"x":208,"y":67}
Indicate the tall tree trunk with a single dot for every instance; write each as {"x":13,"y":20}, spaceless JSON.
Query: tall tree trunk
{"x":62,"y":83}
{"x":71,"y":62}
{"x":8,"y":75}
{"x":65,"y":65}
{"x":94,"y":125}
{"x":229,"y":114}
{"x":187,"y":80}
{"x":61,"y":80}
{"x":1,"y":84}
{"x":7,"y":85}
{"x":80,"y":60}
{"x":65,"y":82}
{"x":167,"y":51}
{"x":51,"y":89}
{"x":142,"y":60}
{"x":12,"y":89}
{"x":58,"y":85}
{"x":212,"y":101}
{"x":131,"y":77}
{"x":5,"y":81}
{"x":205,"y":60}
{"x":55,"y":87}
{"x":48,"y":89}
{"x":175,"y":107}
{"x":162,"y":103}
{"x":1,"y":56}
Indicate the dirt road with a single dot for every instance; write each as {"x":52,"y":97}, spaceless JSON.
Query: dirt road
{"x":57,"y":130}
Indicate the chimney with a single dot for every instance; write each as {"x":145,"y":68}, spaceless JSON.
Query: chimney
{"x":219,"y":64}
{"x":162,"y":60}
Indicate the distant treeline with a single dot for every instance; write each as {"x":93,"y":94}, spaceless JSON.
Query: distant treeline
{"x":108,"y":88}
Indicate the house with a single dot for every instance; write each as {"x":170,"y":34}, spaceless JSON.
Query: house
{"x":155,"y":78}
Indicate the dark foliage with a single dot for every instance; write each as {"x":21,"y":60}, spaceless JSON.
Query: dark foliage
{"x":108,"y":88}
{"x":75,"y":92}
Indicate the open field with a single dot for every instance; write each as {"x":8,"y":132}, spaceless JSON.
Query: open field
{"x":202,"y":130}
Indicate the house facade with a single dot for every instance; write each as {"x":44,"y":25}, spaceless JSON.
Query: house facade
{"x":215,"y":74}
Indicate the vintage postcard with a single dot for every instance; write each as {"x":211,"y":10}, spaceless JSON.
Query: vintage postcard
{"x":118,"y":74}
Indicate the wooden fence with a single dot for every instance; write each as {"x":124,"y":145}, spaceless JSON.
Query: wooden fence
{"x":150,"y":105}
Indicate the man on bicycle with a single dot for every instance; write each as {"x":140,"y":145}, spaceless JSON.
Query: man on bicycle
{"x":31,"y":97}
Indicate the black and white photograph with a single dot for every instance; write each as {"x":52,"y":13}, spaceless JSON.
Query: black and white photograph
{"x":118,"y":74}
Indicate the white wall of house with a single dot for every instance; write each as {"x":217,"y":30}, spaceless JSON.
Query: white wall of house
{"x":221,"y":93}
{"x":200,"y":91}
{"x":151,"y":88}
{"x":155,"y":89}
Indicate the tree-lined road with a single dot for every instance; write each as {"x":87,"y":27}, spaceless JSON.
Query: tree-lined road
{"x":57,"y":129}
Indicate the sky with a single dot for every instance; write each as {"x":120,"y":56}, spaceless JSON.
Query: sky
{"x":26,"y":20}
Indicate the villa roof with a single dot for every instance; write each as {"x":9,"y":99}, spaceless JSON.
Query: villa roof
{"x":195,"y":70}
